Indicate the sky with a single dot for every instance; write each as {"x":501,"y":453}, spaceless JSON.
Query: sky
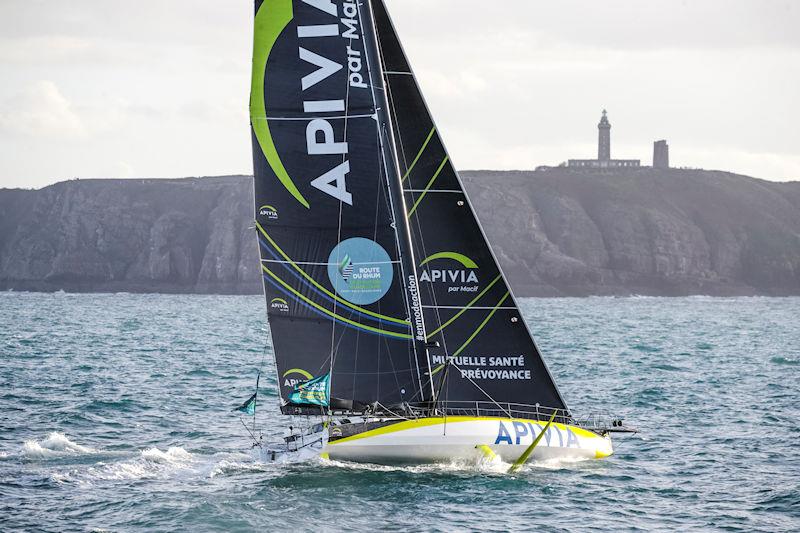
{"x":159,"y":88}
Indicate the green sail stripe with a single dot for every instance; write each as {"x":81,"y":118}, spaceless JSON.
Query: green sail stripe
{"x":332,"y":314}
{"x":272,"y":18}
{"x":323,"y":289}
{"x":485,"y":321}
{"x":466,"y":307}
{"x":428,"y":186}
{"x":461,"y":258}
{"x":419,"y":154}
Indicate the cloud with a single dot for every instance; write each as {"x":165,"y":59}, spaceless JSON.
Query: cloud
{"x":162,"y":86}
{"x":41,"y":111}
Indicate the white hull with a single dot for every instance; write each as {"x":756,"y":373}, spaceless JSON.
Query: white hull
{"x":462,"y":438}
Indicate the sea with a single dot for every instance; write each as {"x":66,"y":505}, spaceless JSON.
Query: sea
{"x":116,"y":415}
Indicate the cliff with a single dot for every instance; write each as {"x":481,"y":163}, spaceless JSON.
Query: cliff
{"x":556,"y":232}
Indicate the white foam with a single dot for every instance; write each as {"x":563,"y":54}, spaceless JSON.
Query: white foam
{"x":150,"y":463}
{"x":174,"y":455}
{"x":230,"y":466}
{"x":558,"y":463}
{"x":55,"y":445}
{"x":494,"y":465}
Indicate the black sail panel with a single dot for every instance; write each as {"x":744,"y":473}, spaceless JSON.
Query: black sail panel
{"x":470,"y":313}
{"x":332,"y":260}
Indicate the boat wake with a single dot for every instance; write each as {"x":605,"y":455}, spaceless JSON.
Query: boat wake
{"x":175,"y":462}
{"x":55,"y":445}
{"x":488,"y":466}
{"x":85,"y":466}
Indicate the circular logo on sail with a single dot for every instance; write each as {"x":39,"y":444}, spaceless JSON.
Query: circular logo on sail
{"x":360,"y":270}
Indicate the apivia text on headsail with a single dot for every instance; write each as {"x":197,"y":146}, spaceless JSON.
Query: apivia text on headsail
{"x":319,"y":132}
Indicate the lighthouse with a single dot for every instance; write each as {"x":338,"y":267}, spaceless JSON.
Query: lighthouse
{"x":604,"y":138}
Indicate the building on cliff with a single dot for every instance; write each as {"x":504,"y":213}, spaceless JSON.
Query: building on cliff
{"x":604,"y":151}
{"x":660,"y":154}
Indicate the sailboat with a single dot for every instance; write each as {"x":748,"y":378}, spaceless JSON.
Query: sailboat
{"x":394,"y":329}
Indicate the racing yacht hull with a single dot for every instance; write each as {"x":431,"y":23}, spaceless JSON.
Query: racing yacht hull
{"x":461,"y":438}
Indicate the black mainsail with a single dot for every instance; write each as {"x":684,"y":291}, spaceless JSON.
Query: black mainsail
{"x":335,"y":249}
{"x":470,"y":312}
{"x":379,"y":280}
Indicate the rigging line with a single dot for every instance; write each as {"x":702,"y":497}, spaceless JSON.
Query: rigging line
{"x":417,"y":219}
{"x":328,"y":313}
{"x":312,"y":117}
{"x":483,"y":391}
{"x":474,"y":308}
{"x":466,"y":307}
{"x":485,"y":321}
{"x":428,"y":186}
{"x":334,"y":348}
{"x":379,"y":404}
{"x":451,"y":191}
{"x":380,"y":131}
{"x":402,"y":153}
{"x":419,"y":154}
{"x":390,"y":100}
{"x":323,"y":289}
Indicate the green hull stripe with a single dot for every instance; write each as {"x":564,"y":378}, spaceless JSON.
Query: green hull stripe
{"x":461,"y":258}
{"x":272,"y":18}
{"x":485,"y":321}
{"x":455,"y":317}
{"x":323,"y":289}
{"x":331,"y":314}
{"x":428,"y":186}
{"x":419,"y":154}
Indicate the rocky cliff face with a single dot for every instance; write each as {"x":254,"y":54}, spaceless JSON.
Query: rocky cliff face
{"x":186,"y":235}
{"x":646,"y":231}
{"x":556,"y":232}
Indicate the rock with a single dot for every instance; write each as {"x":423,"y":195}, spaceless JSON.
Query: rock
{"x":556,"y":232}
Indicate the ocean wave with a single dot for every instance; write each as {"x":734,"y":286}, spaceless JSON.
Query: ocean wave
{"x":785,"y":361}
{"x":55,"y":445}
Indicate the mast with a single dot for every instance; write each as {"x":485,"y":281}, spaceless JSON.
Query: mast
{"x":399,"y":208}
